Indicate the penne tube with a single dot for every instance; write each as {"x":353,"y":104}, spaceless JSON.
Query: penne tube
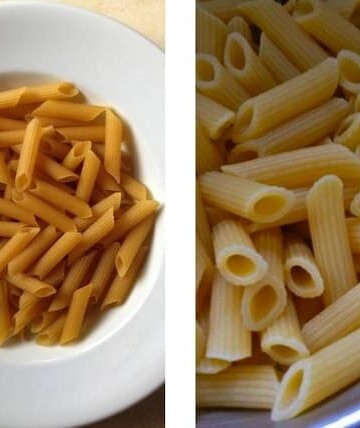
{"x":88,"y":176}
{"x":28,"y":313}
{"x":44,"y":211}
{"x":68,"y":110}
{"x":212,"y":116}
{"x":28,"y":155}
{"x":7,"y":124}
{"x":211,"y":366}
{"x":51,"y":334}
{"x":353,"y":230}
{"x":305,"y":130}
{"x":106,"y":183}
{"x":132,"y":244}
{"x":275,"y":60}
{"x":274,"y":107}
{"x":349,"y":67}
{"x":239,"y":386}
{"x":93,"y":234}
{"x":332,"y":252}
{"x":94,"y":133}
{"x":129,"y":219}
{"x":302,"y":276}
{"x":57,"y":275}
{"x":10,"y":228}
{"x":14,"y":137}
{"x":76,"y":314}
{"x":19,"y":112}
{"x":249,"y":199}
{"x":224,"y":9}
{"x":134,"y":188}
{"x":281,"y":28}
{"x":76,"y":155}
{"x":53,"y":91}
{"x":237,"y":24}
{"x":27,"y":298}
{"x":104,"y":270}
{"x":208,"y":156}
{"x":5,"y":176}
{"x":326,"y":26}
{"x":264,"y":301}
{"x":73,"y":280}
{"x":11,"y":210}
{"x":41,"y":242}
{"x":217,"y":83}
{"x":245,"y":66}
{"x":121,"y":286}
{"x":57,"y":252}
{"x":16,"y":244}
{"x":236,"y":257}
{"x":346,"y":8}
{"x":211,"y":33}
{"x":202,"y":223}
{"x":348,"y":132}
{"x":60,"y":198}
{"x":228,"y":339}
{"x":317,"y":377}
{"x":58,"y":123}
{"x":54,"y":169}
{"x":299,"y":168}
{"x":32,"y":285}
{"x":113,"y":138}
{"x":282,"y":340}
{"x":43,"y":321}
{"x":334,"y":322}
{"x":5,"y":317}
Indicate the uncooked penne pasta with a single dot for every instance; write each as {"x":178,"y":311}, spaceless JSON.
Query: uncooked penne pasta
{"x":27,"y":314}
{"x":43,"y":321}
{"x":353,"y":230}
{"x":51,"y":334}
{"x":326,"y":26}
{"x":280,"y":27}
{"x":224,"y":9}
{"x":134,"y":188}
{"x":54,"y":148}
{"x":214,"y":117}
{"x":53,"y":91}
{"x":57,"y":275}
{"x":94,"y":133}
{"x":245,"y":66}
{"x":76,"y":154}
{"x":282,"y":340}
{"x":61,"y":199}
{"x":106,"y":183}
{"x":242,"y":386}
{"x":211,"y":33}
{"x":299,"y":168}
{"x":284,"y":102}
{"x":355,"y":205}
{"x":68,"y":110}
{"x":237,"y":24}
{"x":275,"y":60}
{"x":228,"y":339}
{"x":302,"y":276}
{"x":5,"y":318}
{"x":332,"y":252}
{"x":346,"y":8}
{"x":304,"y":130}
{"x":311,"y":380}
{"x":55,"y":170}
{"x":75,"y":316}
{"x":28,"y":155}
{"x":252,"y":200}
{"x":334,"y":322}
{"x":10,"y":209}
{"x":349,"y":67}
{"x":208,"y":156}
{"x":9,"y":228}
{"x":57,"y":252}
{"x":348,"y":132}
{"x":41,"y":242}
{"x":235,"y":254}
{"x":113,"y":138}
{"x":265,"y":300}
{"x":132,"y":243}
{"x":7,"y":124}
{"x":32,"y":285}
{"x":202,"y":223}
{"x":205,"y":272}
{"x":72,"y":281}
{"x":214,"y":81}
{"x":89,"y":171}
{"x":5,"y":176}
{"x":44,"y":211}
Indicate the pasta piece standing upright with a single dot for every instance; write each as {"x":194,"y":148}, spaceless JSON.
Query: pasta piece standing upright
{"x":332,"y":250}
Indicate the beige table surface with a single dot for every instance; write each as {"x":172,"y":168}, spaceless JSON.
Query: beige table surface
{"x":147,"y":17}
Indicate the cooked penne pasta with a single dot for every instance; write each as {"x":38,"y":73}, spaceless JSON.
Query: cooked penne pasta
{"x":252,"y":200}
{"x":214,"y":81}
{"x":272,"y":108}
{"x":245,"y":66}
{"x":113,"y":138}
{"x":326,"y":212}
{"x":243,"y":386}
{"x":51,"y":334}
{"x":68,"y":110}
{"x":43,"y":321}
{"x":88,"y":176}
{"x":228,"y":339}
{"x":57,"y":252}
{"x":75,"y":316}
{"x":236,"y":257}
{"x":302,"y":276}
{"x":349,"y":66}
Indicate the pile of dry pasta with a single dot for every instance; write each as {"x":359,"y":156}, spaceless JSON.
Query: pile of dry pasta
{"x":278,"y":203}
{"x":75,"y":224}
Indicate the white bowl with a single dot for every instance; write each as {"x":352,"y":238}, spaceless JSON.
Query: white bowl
{"x":122,"y":358}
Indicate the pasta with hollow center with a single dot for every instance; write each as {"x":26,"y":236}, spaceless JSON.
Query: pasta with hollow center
{"x":71,"y":212}
{"x":278,"y":222}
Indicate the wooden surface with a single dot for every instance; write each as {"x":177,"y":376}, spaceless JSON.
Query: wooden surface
{"x":146,"y":17}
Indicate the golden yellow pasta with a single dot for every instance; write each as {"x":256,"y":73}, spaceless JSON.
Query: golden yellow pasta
{"x":88,"y":176}
{"x":5,"y":318}
{"x":76,"y":154}
{"x":113,"y":137}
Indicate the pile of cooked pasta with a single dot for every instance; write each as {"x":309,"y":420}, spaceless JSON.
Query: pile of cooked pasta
{"x":75,"y":224}
{"x":278,"y":203}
